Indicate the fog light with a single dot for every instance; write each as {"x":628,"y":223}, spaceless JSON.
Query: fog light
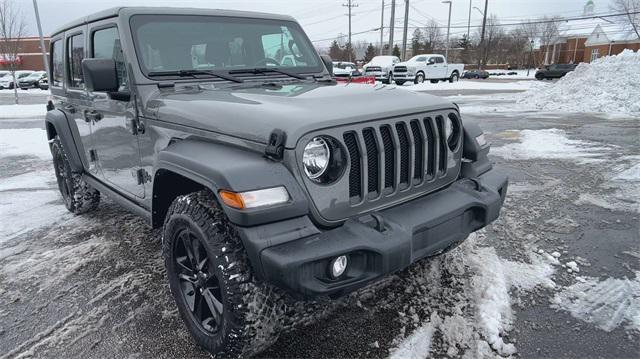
{"x":338,"y":266}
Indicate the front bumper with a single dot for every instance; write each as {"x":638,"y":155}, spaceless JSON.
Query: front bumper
{"x":379,"y":75}
{"x":295,"y":254}
{"x":409,"y":76}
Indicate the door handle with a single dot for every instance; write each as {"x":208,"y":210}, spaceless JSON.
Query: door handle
{"x":92,"y":115}
{"x":70,"y":108}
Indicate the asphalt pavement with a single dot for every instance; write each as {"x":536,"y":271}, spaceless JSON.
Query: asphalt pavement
{"x":93,"y":286}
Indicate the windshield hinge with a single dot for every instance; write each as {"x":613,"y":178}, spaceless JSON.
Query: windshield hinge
{"x":275,"y":146}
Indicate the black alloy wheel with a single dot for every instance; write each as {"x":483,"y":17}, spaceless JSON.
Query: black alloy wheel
{"x":199,"y":283}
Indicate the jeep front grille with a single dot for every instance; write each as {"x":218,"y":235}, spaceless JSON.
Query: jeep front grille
{"x":395,"y":156}
{"x":386,"y":161}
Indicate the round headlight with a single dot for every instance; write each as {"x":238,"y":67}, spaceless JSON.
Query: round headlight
{"x":448,"y":128}
{"x":315,"y":157}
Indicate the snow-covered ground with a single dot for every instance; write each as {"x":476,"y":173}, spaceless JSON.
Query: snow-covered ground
{"x":22,"y":111}
{"x":473,"y":85}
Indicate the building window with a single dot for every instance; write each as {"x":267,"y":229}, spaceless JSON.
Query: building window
{"x":57,"y":63}
{"x":75,"y":54}
{"x":595,"y":53}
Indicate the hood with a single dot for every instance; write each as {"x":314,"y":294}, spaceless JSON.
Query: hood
{"x":253,"y":113}
{"x":408,"y":64}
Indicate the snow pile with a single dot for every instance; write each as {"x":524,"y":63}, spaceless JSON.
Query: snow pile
{"x":550,"y":143}
{"x":609,"y":84}
{"x":605,"y":303}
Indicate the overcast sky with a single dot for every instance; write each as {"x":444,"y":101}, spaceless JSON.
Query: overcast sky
{"x":323,"y":19}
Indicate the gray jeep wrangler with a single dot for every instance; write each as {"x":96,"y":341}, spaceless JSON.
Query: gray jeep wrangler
{"x":271,"y":182}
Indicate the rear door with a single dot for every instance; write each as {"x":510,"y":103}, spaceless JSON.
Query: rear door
{"x":114,"y":126}
{"x":441,"y":67}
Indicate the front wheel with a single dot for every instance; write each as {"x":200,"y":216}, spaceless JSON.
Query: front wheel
{"x":419,"y":78}
{"x":227,"y":312}
{"x":78,"y":196}
{"x":539,"y":77}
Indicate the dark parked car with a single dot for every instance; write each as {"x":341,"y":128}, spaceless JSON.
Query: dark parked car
{"x":554,"y":71}
{"x":33,"y":80}
{"x":476,"y":74}
{"x":271,"y":183}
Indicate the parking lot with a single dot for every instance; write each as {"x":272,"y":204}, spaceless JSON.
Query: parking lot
{"x":558,"y":275}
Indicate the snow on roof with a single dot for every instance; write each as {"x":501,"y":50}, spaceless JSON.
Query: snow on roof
{"x":579,"y":28}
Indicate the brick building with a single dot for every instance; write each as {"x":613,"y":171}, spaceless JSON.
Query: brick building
{"x":588,"y":39}
{"x":29,"y":56}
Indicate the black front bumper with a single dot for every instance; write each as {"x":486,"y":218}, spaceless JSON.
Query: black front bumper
{"x":295,"y":254}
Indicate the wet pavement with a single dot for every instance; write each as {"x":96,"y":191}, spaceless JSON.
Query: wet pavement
{"x":93,"y":286}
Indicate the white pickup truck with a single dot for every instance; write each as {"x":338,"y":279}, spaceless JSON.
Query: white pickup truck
{"x":431,"y":67}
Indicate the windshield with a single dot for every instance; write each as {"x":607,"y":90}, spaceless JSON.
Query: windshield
{"x":216,"y":43}
{"x":381,"y":60}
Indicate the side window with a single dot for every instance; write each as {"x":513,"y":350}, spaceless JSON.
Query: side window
{"x":57,"y":63}
{"x":106,"y":45}
{"x":439,"y":60}
{"x":421,"y":59}
{"x":75,"y":54}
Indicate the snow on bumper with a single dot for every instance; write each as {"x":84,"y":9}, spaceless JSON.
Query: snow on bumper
{"x":298,"y":254}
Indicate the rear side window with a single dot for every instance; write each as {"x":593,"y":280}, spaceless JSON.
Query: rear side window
{"x":57,"y":63}
{"x":439,"y":60}
{"x":106,"y":45}
{"x":75,"y":54}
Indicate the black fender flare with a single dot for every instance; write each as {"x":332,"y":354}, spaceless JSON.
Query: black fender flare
{"x":220,"y":166}
{"x":476,"y":154}
{"x":57,"y":124}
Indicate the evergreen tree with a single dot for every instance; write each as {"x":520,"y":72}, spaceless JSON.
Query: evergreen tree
{"x":371,"y":52}
{"x":348,"y":54}
{"x":335,"y":52}
{"x":396,"y":51}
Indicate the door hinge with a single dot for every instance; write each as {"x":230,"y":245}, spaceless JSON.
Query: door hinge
{"x":275,"y":146}
{"x":93,"y":155}
{"x":143,"y":176}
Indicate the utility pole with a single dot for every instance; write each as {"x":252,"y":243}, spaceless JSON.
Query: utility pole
{"x":391,"y":25}
{"x":446,"y":51}
{"x":484,"y":23}
{"x":406,"y":28}
{"x":44,"y":50}
{"x":350,"y":5}
{"x":381,"y":28}
{"x":469,"y":21}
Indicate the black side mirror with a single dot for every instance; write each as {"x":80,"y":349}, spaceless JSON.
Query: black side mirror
{"x":100,"y":75}
{"x":328,"y":63}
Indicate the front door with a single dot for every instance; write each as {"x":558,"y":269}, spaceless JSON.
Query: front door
{"x":114,"y":139}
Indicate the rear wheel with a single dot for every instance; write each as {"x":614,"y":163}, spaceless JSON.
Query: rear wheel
{"x":78,"y":196}
{"x":454,"y":77}
{"x":227,"y":312}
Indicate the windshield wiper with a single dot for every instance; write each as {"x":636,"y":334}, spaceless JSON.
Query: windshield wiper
{"x":193,"y":73}
{"x":262,"y":70}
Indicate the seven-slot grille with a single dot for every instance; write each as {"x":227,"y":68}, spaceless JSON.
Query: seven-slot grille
{"x":400,"y":69}
{"x":373,"y":69}
{"x":395,"y":156}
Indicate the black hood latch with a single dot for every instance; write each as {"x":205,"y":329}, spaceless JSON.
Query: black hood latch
{"x":275,"y":146}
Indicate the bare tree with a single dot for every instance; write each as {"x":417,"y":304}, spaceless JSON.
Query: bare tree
{"x":631,"y":8}
{"x":432,"y":36}
{"x":12,"y":30}
{"x":548,"y":33}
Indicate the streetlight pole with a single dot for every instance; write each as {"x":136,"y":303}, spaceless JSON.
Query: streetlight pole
{"x":484,"y":23}
{"x":446,"y":51}
{"x":44,"y":50}
{"x":391,"y":25}
{"x":406,"y":28}
{"x":469,"y":21}
{"x":381,"y":28}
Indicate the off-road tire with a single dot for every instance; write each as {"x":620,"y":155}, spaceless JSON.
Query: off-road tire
{"x":79,"y":197}
{"x":252,"y":311}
